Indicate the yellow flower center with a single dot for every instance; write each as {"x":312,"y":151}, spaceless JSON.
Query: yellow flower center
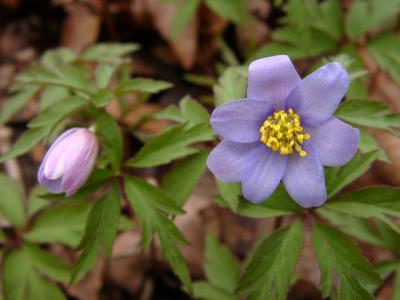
{"x":282,"y":132}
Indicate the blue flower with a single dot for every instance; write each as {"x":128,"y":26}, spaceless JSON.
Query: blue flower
{"x":283,"y":131}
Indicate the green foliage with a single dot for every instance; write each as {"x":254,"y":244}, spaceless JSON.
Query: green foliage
{"x":23,"y":272}
{"x":231,"y":85}
{"x":234,"y":10}
{"x":185,"y":12}
{"x":385,"y":50}
{"x":189,"y":111}
{"x":336,"y":253}
{"x":368,"y":144}
{"x":108,"y":52}
{"x":181,"y":181}
{"x":374,"y":202}
{"x":63,"y":223}
{"x":100,"y":231}
{"x":222,"y":273}
{"x":355,"y":168}
{"x":150,"y":206}
{"x":173,"y":143}
{"x":143,"y":85}
{"x":271,"y":268}
{"x":365,"y":15}
{"x":278,"y":204}
{"x":230,"y":193}
{"x":11,"y":201}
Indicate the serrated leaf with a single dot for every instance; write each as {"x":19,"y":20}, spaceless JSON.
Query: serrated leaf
{"x":372,"y":114}
{"x":53,"y":58}
{"x":154,"y":196}
{"x":230,"y":193}
{"x":103,"y":74}
{"x":102,"y":97}
{"x":374,"y":202}
{"x":193,"y":112}
{"x":272,"y":265}
{"x":51,"y":94}
{"x":350,"y":289}
{"x":182,"y":180}
{"x":335,"y":252}
{"x":220,"y":266}
{"x":150,"y":219}
{"x":385,"y":50}
{"x":11,"y":201}
{"x":231,"y":85}
{"x":21,"y":281}
{"x":61,"y":223}
{"x":350,"y":172}
{"x":110,"y":133}
{"x":278,"y":204}
{"x":366,"y":15}
{"x":368,"y":143}
{"x":54,"y":114}
{"x":108,"y":51}
{"x":47,"y":264}
{"x":171,"y":144}
{"x":15,"y":103}
{"x":143,"y":85}
{"x":25,"y":142}
{"x":100,"y":231}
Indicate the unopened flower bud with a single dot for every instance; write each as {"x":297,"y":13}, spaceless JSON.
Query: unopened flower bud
{"x":69,"y":161}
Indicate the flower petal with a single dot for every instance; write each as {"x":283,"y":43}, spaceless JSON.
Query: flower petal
{"x":240,"y":120}
{"x":262,"y":173}
{"x":53,"y":186}
{"x":226,"y":161}
{"x":304,"y":179}
{"x":318,"y":95}
{"x":80,"y":163}
{"x":271,"y":79}
{"x":335,"y":142}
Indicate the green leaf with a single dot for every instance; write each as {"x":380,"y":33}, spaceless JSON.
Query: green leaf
{"x":143,"y":85}
{"x":26,"y":141}
{"x":364,"y":16}
{"x":350,"y":289}
{"x":150,"y":218}
{"x":20,"y":279}
{"x":231,"y":85}
{"x":63,"y":223}
{"x":230,"y":193}
{"x":15,"y":103}
{"x":278,"y":204}
{"x":335,"y":252}
{"x":154,"y":196}
{"x":350,"y":172}
{"x":11,"y":201}
{"x":48,"y":264}
{"x":100,"y":231}
{"x":53,"y":58}
{"x":372,"y":114}
{"x":186,"y":12}
{"x":206,"y":291}
{"x":189,"y":111}
{"x":368,"y":143}
{"x":171,"y":144}
{"x":103,"y":74}
{"x":220,"y":266}
{"x":54,"y":114}
{"x":234,"y":10}
{"x":110,"y":133}
{"x":108,"y":52}
{"x":51,"y":95}
{"x":273,"y":264}
{"x":102,"y":97}
{"x":182,"y":180}
{"x":373,"y":232}
{"x":385,"y":50}
{"x":374,"y":202}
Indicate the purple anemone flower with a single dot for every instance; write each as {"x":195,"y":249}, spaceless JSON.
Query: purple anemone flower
{"x":69,"y":161}
{"x":283,"y":131}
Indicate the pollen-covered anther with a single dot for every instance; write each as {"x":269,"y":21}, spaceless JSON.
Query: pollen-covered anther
{"x":282,"y":132}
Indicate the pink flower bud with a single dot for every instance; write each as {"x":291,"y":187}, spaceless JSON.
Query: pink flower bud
{"x":69,"y":161}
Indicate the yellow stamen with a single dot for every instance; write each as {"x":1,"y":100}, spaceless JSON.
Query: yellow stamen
{"x":282,"y":132}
